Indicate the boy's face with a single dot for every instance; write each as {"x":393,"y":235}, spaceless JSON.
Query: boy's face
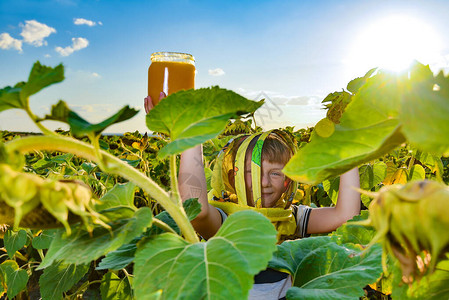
{"x":272,"y":182}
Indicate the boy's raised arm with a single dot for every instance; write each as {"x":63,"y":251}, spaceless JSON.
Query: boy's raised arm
{"x":327,"y":219}
{"x":192,"y":184}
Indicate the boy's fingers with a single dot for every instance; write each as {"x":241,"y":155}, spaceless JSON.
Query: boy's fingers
{"x":145,"y":104}
{"x":148,"y":104}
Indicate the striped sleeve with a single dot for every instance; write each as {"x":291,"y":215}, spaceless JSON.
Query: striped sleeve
{"x":223,"y":214}
{"x":301,"y":213}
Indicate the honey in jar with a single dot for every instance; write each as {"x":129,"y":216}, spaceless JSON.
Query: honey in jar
{"x":170,"y":72}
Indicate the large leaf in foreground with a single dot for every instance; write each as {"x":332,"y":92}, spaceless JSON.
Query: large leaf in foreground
{"x":344,"y":150}
{"x":321,"y":269}
{"x":425,"y":111}
{"x":124,"y":255}
{"x":82,"y":248}
{"x":221,"y":268}
{"x":194,"y":116}
{"x":369,"y":128}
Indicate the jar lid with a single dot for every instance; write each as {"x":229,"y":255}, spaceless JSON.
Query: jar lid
{"x":173,"y":57}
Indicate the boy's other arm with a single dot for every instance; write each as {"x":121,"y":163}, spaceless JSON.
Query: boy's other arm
{"x":192,"y":184}
{"x":327,"y":219}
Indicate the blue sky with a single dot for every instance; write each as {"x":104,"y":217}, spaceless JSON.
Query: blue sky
{"x":293,"y":52}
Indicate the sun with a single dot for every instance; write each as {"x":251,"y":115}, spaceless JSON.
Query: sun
{"x":393,"y":43}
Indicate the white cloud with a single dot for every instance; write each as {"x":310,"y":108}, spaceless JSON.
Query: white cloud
{"x":82,"y":77}
{"x":47,"y":55}
{"x":34,"y":33}
{"x":86,"y":108}
{"x":77,"y":44}
{"x":8,"y":42}
{"x":216,"y":72}
{"x":81,"y":21}
{"x":258,"y":95}
{"x":94,"y":113}
{"x":305,"y":100}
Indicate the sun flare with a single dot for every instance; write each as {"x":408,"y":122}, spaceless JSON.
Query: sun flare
{"x":393,"y":43}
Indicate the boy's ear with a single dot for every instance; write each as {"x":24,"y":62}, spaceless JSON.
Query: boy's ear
{"x":286,"y":182}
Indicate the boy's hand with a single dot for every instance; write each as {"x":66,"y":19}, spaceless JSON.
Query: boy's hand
{"x":148,"y":103}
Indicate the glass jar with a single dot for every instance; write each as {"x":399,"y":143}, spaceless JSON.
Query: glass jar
{"x":170,"y":72}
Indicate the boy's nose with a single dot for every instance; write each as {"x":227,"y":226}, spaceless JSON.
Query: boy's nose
{"x":265,"y":180}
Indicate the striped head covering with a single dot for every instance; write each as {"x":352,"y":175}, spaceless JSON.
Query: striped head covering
{"x":228,"y":180}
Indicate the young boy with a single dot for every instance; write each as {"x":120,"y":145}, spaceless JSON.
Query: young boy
{"x":248,"y":175}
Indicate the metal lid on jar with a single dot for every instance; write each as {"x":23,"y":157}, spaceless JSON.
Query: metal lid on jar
{"x":172,"y":57}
